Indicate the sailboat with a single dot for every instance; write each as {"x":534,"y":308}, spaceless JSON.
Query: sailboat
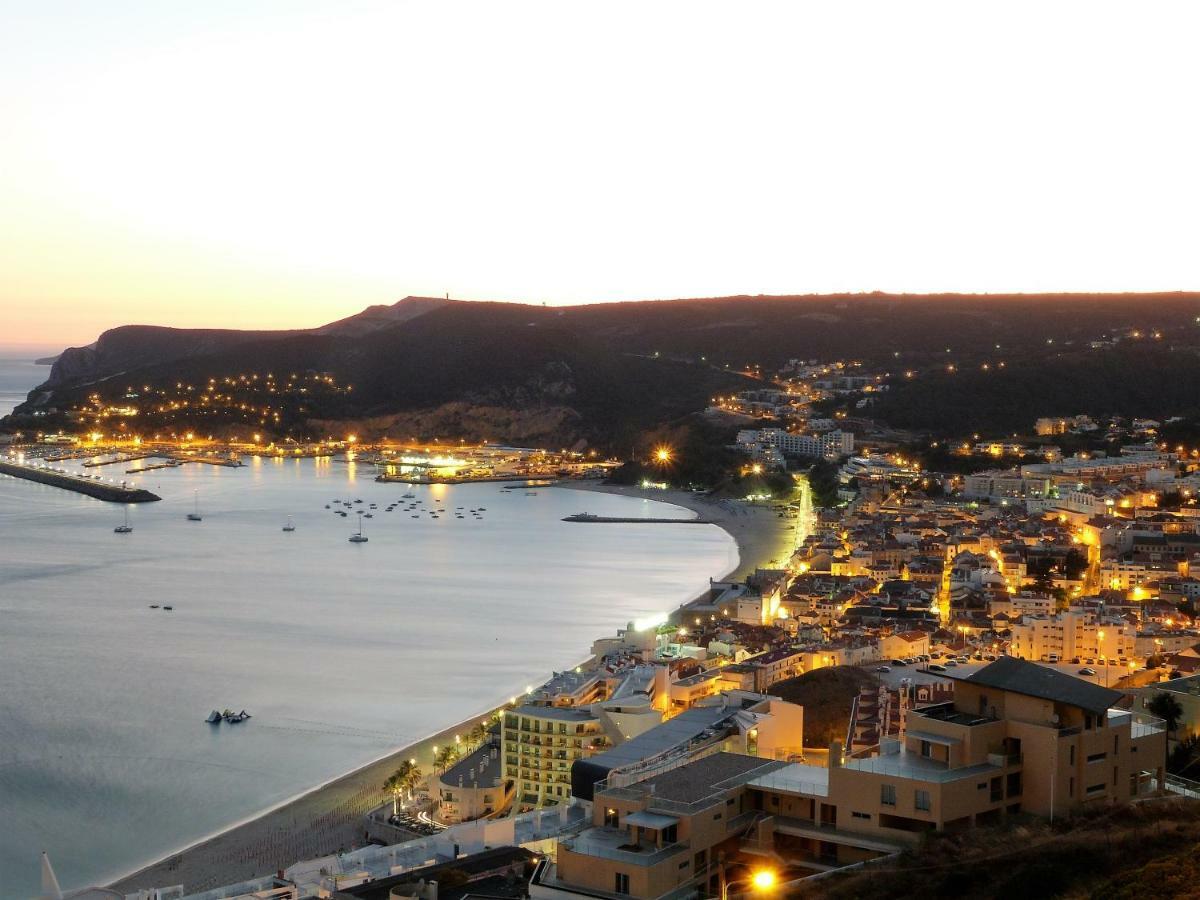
{"x":195,"y":516}
{"x":126,"y":528}
{"x":358,"y":538}
{"x":289,"y":526}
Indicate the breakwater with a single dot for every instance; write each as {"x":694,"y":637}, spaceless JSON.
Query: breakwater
{"x":588,"y":517}
{"x":114,"y":493}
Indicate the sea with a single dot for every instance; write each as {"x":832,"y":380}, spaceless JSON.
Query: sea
{"x":342,"y":652}
{"x":18,"y":376}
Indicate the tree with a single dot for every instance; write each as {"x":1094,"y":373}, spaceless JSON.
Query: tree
{"x":1166,"y":708}
{"x":402,"y":783}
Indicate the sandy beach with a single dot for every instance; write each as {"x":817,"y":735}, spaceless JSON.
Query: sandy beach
{"x":329,"y":818}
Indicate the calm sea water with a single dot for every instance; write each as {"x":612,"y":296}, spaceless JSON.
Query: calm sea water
{"x":18,"y":376}
{"x":342,"y":652}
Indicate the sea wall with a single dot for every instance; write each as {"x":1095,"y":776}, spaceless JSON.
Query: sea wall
{"x":113,"y":493}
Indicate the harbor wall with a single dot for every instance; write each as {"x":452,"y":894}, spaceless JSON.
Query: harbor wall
{"x":113,"y":493}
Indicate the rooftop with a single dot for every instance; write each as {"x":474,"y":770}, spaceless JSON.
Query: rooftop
{"x":1021,"y":677}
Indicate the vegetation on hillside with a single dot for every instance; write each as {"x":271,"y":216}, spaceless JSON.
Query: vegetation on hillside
{"x":1111,"y":853}
{"x":826,"y":695}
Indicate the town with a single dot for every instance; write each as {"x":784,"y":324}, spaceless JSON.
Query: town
{"x":939,"y":650}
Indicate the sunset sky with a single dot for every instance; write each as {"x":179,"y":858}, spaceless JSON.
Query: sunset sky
{"x":255,"y":164}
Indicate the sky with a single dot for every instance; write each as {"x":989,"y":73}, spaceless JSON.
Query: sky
{"x":258,"y":165}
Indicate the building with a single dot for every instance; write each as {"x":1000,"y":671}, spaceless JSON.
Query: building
{"x":1016,"y":737}
{"x":474,"y":787}
{"x":827,"y":445}
{"x":1076,"y":633}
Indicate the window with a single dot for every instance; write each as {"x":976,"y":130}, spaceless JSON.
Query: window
{"x":1116,"y":744}
{"x":921,"y":801}
{"x":621,"y":885}
{"x":926,"y":749}
{"x":1114,"y":776}
{"x":1095,"y":789}
{"x":887,"y":794}
{"x":1071,"y":760}
{"x":860,"y":815}
{"x":1071,"y":788}
{"x":1097,"y":757}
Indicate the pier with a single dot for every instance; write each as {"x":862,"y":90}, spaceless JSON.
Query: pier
{"x":114,"y":493}
{"x":588,"y":517}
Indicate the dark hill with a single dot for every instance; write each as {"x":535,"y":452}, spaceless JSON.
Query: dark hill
{"x":430,"y":366}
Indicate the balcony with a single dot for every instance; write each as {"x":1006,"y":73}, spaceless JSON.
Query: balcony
{"x":613,"y":843}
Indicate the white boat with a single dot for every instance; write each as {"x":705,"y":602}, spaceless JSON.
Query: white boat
{"x":289,"y":526}
{"x":126,"y":528}
{"x":359,"y":537}
{"x":195,"y":516}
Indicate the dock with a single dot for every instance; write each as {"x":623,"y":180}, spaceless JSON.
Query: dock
{"x":589,"y":518}
{"x":114,"y":493}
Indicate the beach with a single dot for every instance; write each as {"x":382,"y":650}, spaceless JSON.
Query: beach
{"x":330,"y":817}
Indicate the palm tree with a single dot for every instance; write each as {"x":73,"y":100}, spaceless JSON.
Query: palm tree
{"x":402,"y":781}
{"x":1167,"y":708}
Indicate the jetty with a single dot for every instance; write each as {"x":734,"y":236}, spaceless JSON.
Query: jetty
{"x":588,"y":517}
{"x":114,"y":493}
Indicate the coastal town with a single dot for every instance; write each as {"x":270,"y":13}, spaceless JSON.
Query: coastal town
{"x":905,"y":650}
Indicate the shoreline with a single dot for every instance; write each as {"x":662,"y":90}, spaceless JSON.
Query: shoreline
{"x":322,"y":819}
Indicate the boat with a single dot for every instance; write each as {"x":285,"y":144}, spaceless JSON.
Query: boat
{"x":154,"y":606}
{"x":126,"y":528}
{"x":214,"y":718}
{"x":168,"y":607}
{"x":289,"y":526}
{"x":195,"y":516}
{"x":358,"y":537}
{"x":407,"y":496}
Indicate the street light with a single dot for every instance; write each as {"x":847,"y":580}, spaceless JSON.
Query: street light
{"x":762,"y":880}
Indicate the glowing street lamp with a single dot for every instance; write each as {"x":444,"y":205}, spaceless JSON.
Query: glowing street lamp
{"x":662,"y":455}
{"x":761,"y":881}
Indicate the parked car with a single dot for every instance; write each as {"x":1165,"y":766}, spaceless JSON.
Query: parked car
{"x":936,"y":668}
{"x":899,"y":662}
{"x":883,"y":668}
{"x":1087,"y":671}
{"x":951,"y":662}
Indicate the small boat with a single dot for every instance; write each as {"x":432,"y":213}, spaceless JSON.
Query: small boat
{"x":214,"y":718}
{"x":195,"y":516}
{"x":289,"y":526}
{"x":168,"y":607}
{"x":154,"y":606}
{"x":327,"y":506}
{"x":233,"y":718}
{"x":126,"y":528}
{"x":408,"y":496}
{"x":369,"y":516}
{"x":358,"y":537}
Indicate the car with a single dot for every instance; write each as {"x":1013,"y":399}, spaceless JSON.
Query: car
{"x":1089,"y":662}
{"x":950,"y":662}
{"x":936,"y":668}
{"x":924,"y":657}
{"x":962,"y":660}
{"x":1052,"y":659}
{"x":1075,"y":661}
{"x":990,"y":657}
{"x":883,"y":668}
{"x":1087,"y":671}
{"x":911,"y":660}
{"x":899,"y":662}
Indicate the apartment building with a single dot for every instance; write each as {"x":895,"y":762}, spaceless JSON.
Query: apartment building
{"x":828,"y":445}
{"x":474,"y":787}
{"x":1072,"y":634}
{"x":1016,"y":737}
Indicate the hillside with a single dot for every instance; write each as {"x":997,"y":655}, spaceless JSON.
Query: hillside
{"x":826,"y":695}
{"x":1117,"y":853}
{"x":600,"y":374}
